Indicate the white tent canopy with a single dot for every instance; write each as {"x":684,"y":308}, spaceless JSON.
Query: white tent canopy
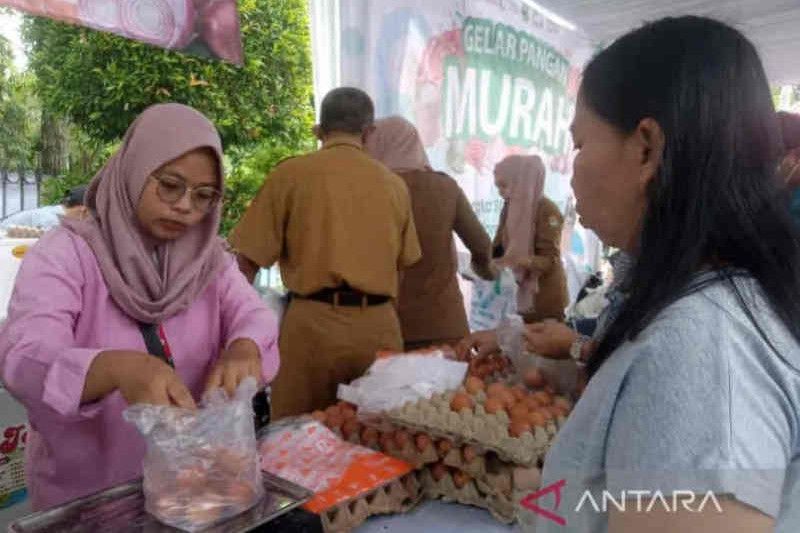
{"x":773,"y":25}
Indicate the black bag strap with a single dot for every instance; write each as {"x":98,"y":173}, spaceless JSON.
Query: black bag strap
{"x":153,"y":342}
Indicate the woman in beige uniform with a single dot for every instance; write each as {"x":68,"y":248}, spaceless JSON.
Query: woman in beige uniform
{"x":527,"y":239}
{"x":430,"y":304}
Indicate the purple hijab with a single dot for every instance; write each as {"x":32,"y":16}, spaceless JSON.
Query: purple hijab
{"x":146,"y":289}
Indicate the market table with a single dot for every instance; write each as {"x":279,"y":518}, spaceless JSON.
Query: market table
{"x":438,"y":516}
{"x":9,"y":265}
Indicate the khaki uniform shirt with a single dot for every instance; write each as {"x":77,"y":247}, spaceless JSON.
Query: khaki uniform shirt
{"x":431,"y":306}
{"x":332,"y":217}
{"x":552,"y":297}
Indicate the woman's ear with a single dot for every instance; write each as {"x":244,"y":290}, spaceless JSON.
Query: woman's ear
{"x":648,"y":139}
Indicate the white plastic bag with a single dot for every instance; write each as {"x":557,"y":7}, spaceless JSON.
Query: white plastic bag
{"x":392,"y":381}
{"x":201,"y":467}
{"x":492,"y":301}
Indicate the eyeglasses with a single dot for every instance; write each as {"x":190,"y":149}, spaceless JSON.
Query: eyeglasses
{"x":171,"y":189}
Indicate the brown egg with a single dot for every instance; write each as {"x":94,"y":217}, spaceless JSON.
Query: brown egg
{"x":350,"y":427}
{"x":533,"y":378}
{"x":200,"y":515}
{"x":495,"y":390}
{"x":438,"y":471}
{"x":369,"y":437}
{"x":423,"y":442}
{"x":348,"y":410}
{"x":319,"y":416}
{"x":519,"y":428}
{"x":461,"y":401}
{"x":543,"y":397}
{"x":469,"y":453}
{"x":241,"y":494}
{"x":519,"y":393}
{"x":474,"y":385}
{"x":560,"y":401}
{"x":519,"y":412}
{"x":460,"y":479}
{"x":507,"y":397}
{"x":402,"y":439}
{"x":493,"y":405}
{"x":386,"y":441}
{"x":531,"y":403}
{"x":443,"y":447}
{"x":536,"y":419}
{"x":334,"y":420}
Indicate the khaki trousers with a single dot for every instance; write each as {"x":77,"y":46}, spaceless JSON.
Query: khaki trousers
{"x":323,"y":345}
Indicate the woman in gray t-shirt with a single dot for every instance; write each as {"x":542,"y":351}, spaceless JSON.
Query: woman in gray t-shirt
{"x":690,"y":419}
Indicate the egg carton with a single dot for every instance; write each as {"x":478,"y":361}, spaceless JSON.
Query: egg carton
{"x":488,"y":432}
{"x":472,"y":493}
{"x":398,"y":496}
{"x":486,"y":467}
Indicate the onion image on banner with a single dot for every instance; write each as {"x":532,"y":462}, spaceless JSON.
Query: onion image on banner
{"x":203,"y":27}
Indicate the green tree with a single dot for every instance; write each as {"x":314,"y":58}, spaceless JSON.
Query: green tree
{"x":19,"y":112}
{"x":101,"y":81}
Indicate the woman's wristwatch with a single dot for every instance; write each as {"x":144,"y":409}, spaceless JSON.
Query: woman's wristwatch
{"x":576,"y":350}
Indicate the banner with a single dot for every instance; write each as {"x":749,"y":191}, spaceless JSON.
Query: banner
{"x":481,"y":79}
{"x":204,"y":27}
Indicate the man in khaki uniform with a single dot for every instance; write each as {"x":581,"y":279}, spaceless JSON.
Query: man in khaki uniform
{"x":340,"y":225}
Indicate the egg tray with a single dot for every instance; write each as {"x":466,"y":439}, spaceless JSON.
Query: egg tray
{"x":474,"y":493}
{"x":487,"y":468}
{"x":398,"y":496}
{"x":412,"y":455}
{"x":487,"y":432}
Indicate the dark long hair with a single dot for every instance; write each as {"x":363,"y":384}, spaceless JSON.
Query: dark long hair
{"x":715,"y":200}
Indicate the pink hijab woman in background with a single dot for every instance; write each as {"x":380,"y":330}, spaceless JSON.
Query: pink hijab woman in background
{"x":528,"y":238}
{"x":430,"y":304}
{"x":147,"y":259}
{"x":396,"y":143}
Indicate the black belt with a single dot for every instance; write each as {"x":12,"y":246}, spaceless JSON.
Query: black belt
{"x":345,"y":297}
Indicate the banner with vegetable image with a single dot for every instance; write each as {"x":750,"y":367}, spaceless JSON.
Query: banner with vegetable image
{"x":481,"y":80}
{"x":208,"y":28}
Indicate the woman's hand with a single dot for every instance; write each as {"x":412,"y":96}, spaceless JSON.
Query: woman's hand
{"x":549,"y":339}
{"x":483,"y":342}
{"x":139,"y":377}
{"x":241,"y":360}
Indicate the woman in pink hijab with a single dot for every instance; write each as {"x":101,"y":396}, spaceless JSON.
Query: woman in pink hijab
{"x":430,"y":305}
{"x":137,"y":303}
{"x":527,"y":239}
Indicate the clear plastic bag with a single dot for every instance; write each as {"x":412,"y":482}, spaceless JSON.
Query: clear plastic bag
{"x":561,"y":374}
{"x":493,"y":301}
{"x":201,"y":467}
{"x":392,"y":381}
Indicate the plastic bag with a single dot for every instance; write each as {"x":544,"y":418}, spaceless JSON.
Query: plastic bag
{"x":392,"y":381}
{"x":562,"y":374}
{"x":201,"y":467}
{"x":492,"y":301}
{"x":307,"y":453}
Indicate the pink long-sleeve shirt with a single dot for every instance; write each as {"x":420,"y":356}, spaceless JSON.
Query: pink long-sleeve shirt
{"x":61,"y":316}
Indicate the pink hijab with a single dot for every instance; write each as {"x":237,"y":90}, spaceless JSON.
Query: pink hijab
{"x":395,"y":142}
{"x":146,"y":289}
{"x":525,"y":175}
